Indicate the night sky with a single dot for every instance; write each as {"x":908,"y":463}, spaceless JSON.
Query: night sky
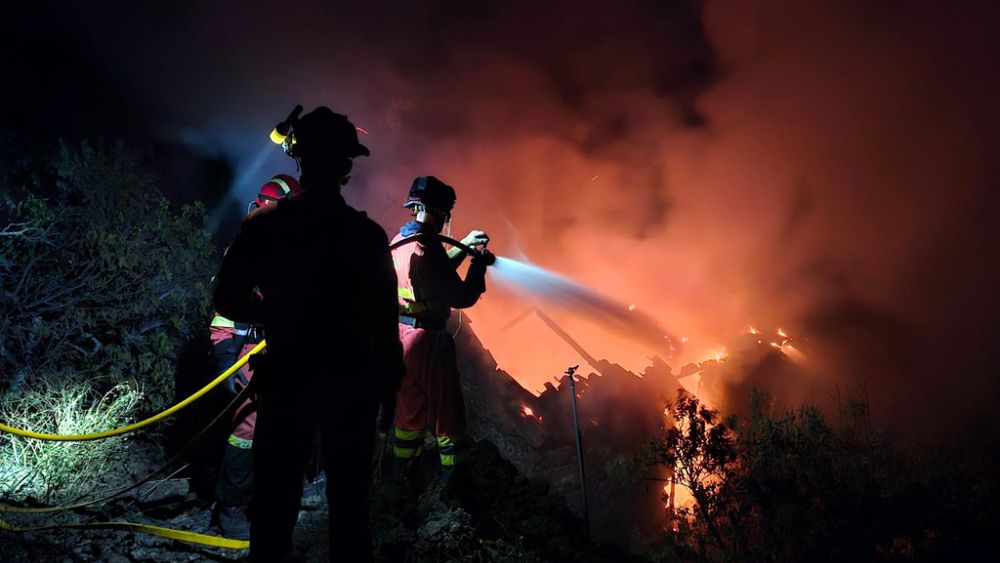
{"x":826,"y":167}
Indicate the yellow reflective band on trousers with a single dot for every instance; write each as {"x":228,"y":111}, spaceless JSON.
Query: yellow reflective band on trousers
{"x":241,"y":443}
{"x":222,"y":322}
{"x":451,"y":449}
{"x":131,"y":427}
{"x":190,"y":537}
{"x":407,"y":444}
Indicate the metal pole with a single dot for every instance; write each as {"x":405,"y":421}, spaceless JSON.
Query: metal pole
{"x":571,"y":372}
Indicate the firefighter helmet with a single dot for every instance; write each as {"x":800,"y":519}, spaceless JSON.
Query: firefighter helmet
{"x":324,"y":132}
{"x":431,"y":192}
{"x":320,"y":131}
{"x":279,"y":187}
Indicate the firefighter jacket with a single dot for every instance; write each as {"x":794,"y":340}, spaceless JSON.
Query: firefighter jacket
{"x":429,"y":285}
{"x":327,"y":295}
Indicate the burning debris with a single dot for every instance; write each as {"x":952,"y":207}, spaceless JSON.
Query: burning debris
{"x":619,"y":411}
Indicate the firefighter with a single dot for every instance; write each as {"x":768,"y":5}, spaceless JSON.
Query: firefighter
{"x":429,"y":287}
{"x":327,"y":297}
{"x":230,"y":342}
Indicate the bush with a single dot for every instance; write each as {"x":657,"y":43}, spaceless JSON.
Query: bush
{"x":794,"y":488}
{"x":61,"y":471}
{"x":101,"y":280}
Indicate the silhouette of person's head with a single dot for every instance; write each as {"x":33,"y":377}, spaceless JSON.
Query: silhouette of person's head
{"x":325,"y":145}
{"x":430,"y":201}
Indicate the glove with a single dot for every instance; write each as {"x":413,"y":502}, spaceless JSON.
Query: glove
{"x":475,"y":238}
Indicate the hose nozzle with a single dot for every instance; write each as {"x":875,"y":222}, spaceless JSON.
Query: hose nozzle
{"x":487,"y":257}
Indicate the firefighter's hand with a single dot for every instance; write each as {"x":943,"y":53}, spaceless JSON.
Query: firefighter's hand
{"x":475,"y":238}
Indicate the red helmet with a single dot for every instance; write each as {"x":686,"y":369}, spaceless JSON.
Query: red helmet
{"x":278,"y":187}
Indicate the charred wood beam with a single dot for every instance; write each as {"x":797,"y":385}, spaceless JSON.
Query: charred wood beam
{"x":569,"y":340}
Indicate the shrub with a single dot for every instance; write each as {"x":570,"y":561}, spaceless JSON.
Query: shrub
{"x":61,"y":471}
{"x":792,"y":487}
{"x":101,"y":280}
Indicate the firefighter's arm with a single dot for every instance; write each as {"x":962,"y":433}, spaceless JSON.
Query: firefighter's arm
{"x":235,"y":294}
{"x":472,"y":240}
{"x":448,"y":285}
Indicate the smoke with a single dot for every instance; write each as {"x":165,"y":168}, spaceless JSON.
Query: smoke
{"x":825,"y":167}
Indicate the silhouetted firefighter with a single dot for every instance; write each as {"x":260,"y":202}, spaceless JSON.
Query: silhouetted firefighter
{"x":429,"y":287}
{"x":318,"y":275}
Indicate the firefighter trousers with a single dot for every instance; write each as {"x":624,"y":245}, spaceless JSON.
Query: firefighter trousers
{"x":287,"y":422}
{"x":430,"y":391}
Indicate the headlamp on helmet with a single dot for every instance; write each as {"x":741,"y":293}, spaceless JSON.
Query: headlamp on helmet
{"x":320,"y":131}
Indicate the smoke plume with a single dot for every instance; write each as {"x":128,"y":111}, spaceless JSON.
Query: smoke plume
{"x":825,"y":167}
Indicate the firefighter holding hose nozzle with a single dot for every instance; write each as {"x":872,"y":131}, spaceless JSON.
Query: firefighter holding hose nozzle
{"x":429,"y":287}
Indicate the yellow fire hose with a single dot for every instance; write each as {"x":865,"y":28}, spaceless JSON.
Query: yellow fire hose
{"x":131,"y":427}
{"x":190,"y":537}
{"x":181,"y":451}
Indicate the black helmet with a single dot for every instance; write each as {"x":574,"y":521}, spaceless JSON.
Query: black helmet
{"x":431,"y":192}
{"x":322,"y":131}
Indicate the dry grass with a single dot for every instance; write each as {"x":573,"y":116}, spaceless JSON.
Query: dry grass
{"x":60,"y":471}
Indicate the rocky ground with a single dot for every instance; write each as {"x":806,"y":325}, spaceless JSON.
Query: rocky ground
{"x":511,"y":518}
{"x":526,"y":507}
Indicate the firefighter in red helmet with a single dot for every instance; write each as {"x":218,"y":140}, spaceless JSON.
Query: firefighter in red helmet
{"x":230,"y":342}
{"x":429,"y":287}
{"x":277,"y":188}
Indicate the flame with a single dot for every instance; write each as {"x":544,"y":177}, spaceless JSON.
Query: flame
{"x":529,"y":412}
{"x":716,"y":355}
{"x":631,"y":307}
{"x":753,"y":330}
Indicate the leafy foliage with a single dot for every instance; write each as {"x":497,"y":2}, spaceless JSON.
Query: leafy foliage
{"x":794,"y":488}
{"x":101,"y":280}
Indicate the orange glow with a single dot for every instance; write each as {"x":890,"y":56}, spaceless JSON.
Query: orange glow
{"x":782,"y":334}
{"x":753,"y":330}
{"x":631,"y":307}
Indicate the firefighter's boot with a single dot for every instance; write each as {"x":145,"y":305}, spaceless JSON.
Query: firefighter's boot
{"x":459,"y":489}
{"x":232,"y":521}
